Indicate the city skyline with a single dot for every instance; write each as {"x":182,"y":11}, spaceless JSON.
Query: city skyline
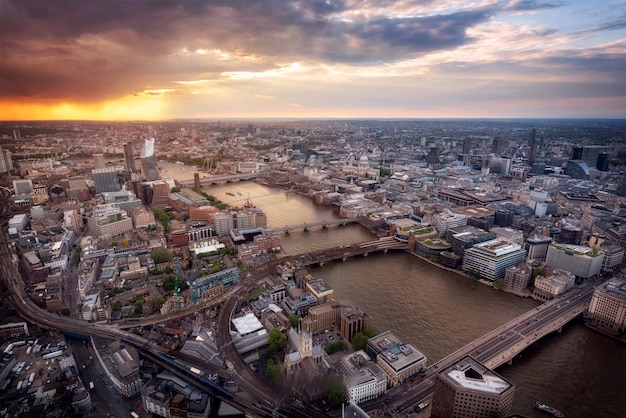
{"x":154,"y":60}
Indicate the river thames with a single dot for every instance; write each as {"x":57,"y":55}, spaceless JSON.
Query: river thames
{"x":578,"y":371}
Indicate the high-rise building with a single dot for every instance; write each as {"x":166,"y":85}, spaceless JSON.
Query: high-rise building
{"x":549,"y":287}
{"x":149,"y":161}
{"x":129,"y":158}
{"x":398,"y":360}
{"x":496,"y":145}
{"x":467,"y":145}
{"x":591,"y":153}
{"x":105,"y":180}
{"x":6,"y":164}
{"x":23,"y":186}
{"x":225,"y":221}
{"x":98,"y":161}
{"x":110,"y":220}
{"x":432,"y":157}
{"x":518,"y":277}
{"x":577,"y":153}
{"x":469,"y":389}
{"x":536,"y":247}
{"x":532,"y":137}
{"x":364,"y":379}
{"x":608,"y":305}
{"x":490,"y":259}
{"x":532,"y":153}
{"x":583,"y":261}
{"x":196,"y":183}
{"x":622,"y":188}
{"x":603,"y":162}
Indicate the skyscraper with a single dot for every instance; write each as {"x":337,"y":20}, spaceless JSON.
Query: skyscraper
{"x":469,"y":389}
{"x":6,"y":164}
{"x":129,"y":158}
{"x":98,"y":161}
{"x":467,"y":145}
{"x":533,"y":136}
{"x":105,"y":180}
{"x":496,"y":145}
{"x":149,"y":161}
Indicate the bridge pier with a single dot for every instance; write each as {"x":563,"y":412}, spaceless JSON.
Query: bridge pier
{"x":559,"y":330}
{"x":365,"y":254}
{"x":344,"y":258}
{"x":321,"y":264}
{"x":286,"y":232}
{"x":385,"y":250}
{"x":510,"y":362}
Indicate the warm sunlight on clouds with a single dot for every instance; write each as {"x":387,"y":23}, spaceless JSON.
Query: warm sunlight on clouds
{"x":149,"y":60}
{"x":127,"y":108}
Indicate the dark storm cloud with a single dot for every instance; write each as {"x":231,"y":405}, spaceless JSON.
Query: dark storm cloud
{"x":93,"y":50}
{"x":530,"y":5}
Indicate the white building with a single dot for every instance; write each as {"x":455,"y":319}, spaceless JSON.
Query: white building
{"x":398,"y":360}
{"x":364,"y":379}
{"x":446,"y":220}
{"x":110,"y":220}
{"x":583,"y":261}
{"x":608,"y":305}
{"x":491,"y":258}
{"x":18,"y":221}
{"x":225,"y":221}
{"x":509,"y":234}
{"x":518,"y":277}
{"x":72,"y":220}
{"x":551,"y":286}
{"x":537,"y":247}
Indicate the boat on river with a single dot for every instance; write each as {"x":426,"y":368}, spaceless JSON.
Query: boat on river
{"x":548,"y":409}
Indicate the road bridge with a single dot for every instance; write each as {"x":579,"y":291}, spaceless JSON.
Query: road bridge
{"x":344,"y":252}
{"x":505,"y":342}
{"x":314,"y":225}
{"x":228,"y":178}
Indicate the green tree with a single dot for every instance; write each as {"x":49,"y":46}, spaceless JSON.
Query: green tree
{"x":76,"y":256}
{"x":139,"y":307}
{"x":336,"y":346}
{"x":65,"y":311}
{"x":369,"y":332}
{"x":175,"y":189}
{"x":158,"y":302}
{"x":335,"y":391}
{"x":358,"y":341}
{"x":161,"y":256}
{"x":273,"y":370}
{"x":217,"y":266}
{"x":276,"y":339}
{"x":161,"y":215}
{"x":498,"y":284}
{"x":293,"y":320}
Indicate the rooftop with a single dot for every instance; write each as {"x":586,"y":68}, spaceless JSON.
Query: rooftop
{"x":468,"y":373}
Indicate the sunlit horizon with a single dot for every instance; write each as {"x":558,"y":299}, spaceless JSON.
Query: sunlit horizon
{"x":298,"y":59}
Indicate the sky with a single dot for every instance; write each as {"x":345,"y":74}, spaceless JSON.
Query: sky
{"x":156,"y":59}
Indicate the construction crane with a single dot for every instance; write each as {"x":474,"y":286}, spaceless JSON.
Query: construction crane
{"x":192,"y":278}
{"x":177,"y":271}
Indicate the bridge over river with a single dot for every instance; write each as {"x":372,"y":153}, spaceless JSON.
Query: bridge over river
{"x":344,"y":252}
{"x":204,"y":181}
{"x":503,"y":343}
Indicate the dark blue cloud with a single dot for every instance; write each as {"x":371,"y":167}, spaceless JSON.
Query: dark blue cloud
{"x":530,"y":5}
